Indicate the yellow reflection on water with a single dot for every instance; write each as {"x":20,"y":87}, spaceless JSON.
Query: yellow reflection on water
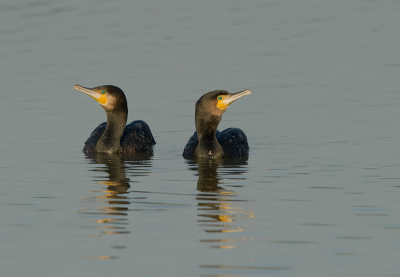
{"x":224,"y":246}
{"x":106,"y":220}
{"x":225,"y":218}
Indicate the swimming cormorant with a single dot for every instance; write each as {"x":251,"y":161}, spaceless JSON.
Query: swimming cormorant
{"x":207,"y":141}
{"x":113,"y":136}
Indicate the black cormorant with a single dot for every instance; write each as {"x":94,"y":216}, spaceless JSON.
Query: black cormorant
{"x":113,"y":136}
{"x":207,"y":141}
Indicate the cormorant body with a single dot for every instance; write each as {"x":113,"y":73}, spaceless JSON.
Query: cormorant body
{"x":207,"y":141}
{"x":113,"y":136}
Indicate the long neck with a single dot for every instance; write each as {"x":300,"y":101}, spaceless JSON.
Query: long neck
{"x":206,"y":126}
{"x":110,"y":141}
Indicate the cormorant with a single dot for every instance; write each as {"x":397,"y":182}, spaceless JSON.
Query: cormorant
{"x":113,"y":136}
{"x":207,"y":141}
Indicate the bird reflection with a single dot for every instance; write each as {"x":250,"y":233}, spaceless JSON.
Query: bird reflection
{"x":219,"y":208}
{"x":117,"y":182}
{"x":117,"y":185}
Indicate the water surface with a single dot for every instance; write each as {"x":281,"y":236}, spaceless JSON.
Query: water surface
{"x":317,"y":196}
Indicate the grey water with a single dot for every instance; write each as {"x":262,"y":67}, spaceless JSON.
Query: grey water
{"x":319,"y":194}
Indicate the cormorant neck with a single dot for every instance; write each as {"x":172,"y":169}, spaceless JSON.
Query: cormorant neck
{"x":206,"y":127}
{"x":110,"y":141}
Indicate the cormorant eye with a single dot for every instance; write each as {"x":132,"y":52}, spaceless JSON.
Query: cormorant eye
{"x":103,"y":92}
{"x":219,"y":97}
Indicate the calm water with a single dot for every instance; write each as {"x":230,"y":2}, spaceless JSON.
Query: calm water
{"x":318,"y":196}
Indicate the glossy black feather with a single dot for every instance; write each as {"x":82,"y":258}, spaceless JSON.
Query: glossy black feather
{"x":137,"y":137}
{"x":232,"y":140}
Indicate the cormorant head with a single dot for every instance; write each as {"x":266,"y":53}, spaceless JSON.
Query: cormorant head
{"x":216,"y":102}
{"x":111,"y":98}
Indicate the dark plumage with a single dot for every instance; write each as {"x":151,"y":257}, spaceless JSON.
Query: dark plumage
{"x":210,"y":143}
{"x":136,"y":137}
{"x":113,"y":136}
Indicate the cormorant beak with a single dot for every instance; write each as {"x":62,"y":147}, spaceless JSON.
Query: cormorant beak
{"x":229,"y":99}
{"x":99,"y":97}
